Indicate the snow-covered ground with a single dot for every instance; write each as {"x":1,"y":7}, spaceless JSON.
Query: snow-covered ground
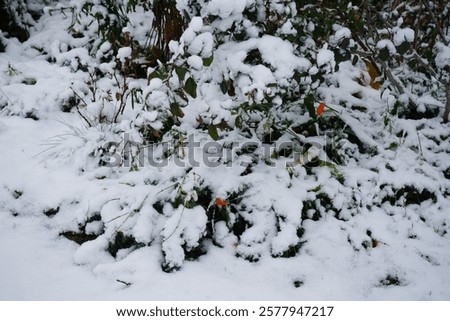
{"x":38,"y":264}
{"x":377,"y":227}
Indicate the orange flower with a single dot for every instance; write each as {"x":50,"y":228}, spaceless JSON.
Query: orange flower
{"x":320,"y":109}
{"x":220,"y":201}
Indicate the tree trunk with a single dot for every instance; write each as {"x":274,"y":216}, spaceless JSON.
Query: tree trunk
{"x":168,"y":25}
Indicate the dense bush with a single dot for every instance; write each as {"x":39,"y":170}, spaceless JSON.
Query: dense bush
{"x":291,"y":77}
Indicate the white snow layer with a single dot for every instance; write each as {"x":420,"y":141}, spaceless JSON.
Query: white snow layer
{"x":50,"y":184}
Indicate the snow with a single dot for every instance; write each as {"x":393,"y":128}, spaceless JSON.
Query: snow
{"x":124,"y":53}
{"x":226,"y":8}
{"x":196,"y":24}
{"x":402,"y":35}
{"x":386,"y":43}
{"x":339,"y":35}
{"x":443,"y":56}
{"x":324,"y":57}
{"x":327,"y":260}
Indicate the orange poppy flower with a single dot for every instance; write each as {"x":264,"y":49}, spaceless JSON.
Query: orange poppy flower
{"x":220,"y":201}
{"x":320,"y":109}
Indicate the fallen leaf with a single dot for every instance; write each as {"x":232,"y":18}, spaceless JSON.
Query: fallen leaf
{"x":320,"y":109}
{"x":220,"y":201}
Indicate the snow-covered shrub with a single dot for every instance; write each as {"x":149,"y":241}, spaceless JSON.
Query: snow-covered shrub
{"x":403,"y":44}
{"x":241,"y":72}
{"x":18,"y":16}
{"x":280,"y":98}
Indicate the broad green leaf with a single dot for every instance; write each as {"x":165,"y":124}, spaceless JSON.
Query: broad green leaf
{"x":238,"y":122}
{"x":224,"y":87}
{"x":208,"y":61}
{"x":176,"y":110}
{"x":181,"y":72}
{"x":309,"y":104}
{"x":212,"y":131}
{"x":403,"y":47}
{"x":384,"y":54}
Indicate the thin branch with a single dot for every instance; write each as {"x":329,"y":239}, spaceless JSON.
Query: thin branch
{"x":436,"y":22}
{"x":415,"y":56}
{"x":88,"y":122}
{"x":123,"y":282}
{"x":447,"y":104}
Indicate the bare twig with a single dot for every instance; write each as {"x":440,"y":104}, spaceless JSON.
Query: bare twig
{"x":88,"y":122}
{"x":123,"y":282}
{"x":122,"y":96}
{"x":420,"y":145}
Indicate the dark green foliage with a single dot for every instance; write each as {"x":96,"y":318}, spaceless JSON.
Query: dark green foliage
{"x":390,"y":280}
{"x":110,"y":25}
{"x":216,"y":214}
{"x":32,"y":114}
{"x":190,"y":87}
{"x":81,"y":236}
{"x":194,"y":253}
{"x":158,"y":206}
{"x":51,"y":211}
{"x":122,"y":241}
{"x":17,"y":194}
{"x":70,"y":103}
{"x":291,"y":251}
{"x":168,"y":268}
{"x":253,"y":57}
{"x":298,"y":283}
{"x":447,"y":173}
{"x":78,"y":237}
{"x":9,"y":22}
{"x":313,"y":209}
{"x":408,"y":195}
{"x":412,"y":112}
{"x":239,"y":226}
{"x":366,"y":244}
{"x":300,"y":232}
{"x":251,"y":258}
{"x":266,"y":115}
{"x":212,"y":131}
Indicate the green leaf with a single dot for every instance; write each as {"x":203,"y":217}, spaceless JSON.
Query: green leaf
{"x":181,"y":72}
{"x":345,"y":43}
{"x":384,"y":54}
{"x":212,"y":131}
{"x":191,"y":87}
{"x":222,"y":125}
{"x":231,"y":92}
{"x":176,"y":110}
{"x":404,"y":47}
{"x":224,"y":87}
{"x":181,"y":94}
{"x":309,"y":104}
{"x":155,"y":74}
{"x":208,"y":61}
{"x":355,"y":60}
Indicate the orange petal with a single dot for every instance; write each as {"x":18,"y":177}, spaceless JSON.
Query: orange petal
{"x":320,"y":108}
{"x":220,"y":201}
